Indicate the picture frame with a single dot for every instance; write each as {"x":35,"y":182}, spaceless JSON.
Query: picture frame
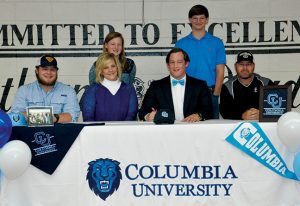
{"x":39,"y":116}
{"x":274,"y":101}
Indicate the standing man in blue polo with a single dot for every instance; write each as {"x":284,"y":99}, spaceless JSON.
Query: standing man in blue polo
{"x":46,"y":91}
{"x":207,"y":54}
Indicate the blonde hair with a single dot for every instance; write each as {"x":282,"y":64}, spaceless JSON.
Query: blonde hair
{"x":101,"y":63}
{"x":109,"y":37}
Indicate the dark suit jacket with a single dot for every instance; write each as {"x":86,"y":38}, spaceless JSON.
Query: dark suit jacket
{"x":197,"y":98}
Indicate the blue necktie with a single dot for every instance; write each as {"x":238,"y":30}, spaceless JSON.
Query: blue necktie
{"x":175,"y":82}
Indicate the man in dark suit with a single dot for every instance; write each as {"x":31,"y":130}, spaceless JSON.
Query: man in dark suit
{"x":188,"y":97}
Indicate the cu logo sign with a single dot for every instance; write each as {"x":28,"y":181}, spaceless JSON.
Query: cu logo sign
{"x":274,"y":100}
{"x":164,"y":114}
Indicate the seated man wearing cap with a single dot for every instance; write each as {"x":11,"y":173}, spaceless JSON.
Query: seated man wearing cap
{"x":239,"y":97}
{"x":187,"y":97}
{"x":46,"y":91}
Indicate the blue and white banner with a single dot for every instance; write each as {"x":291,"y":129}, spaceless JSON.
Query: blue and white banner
{"x":146,"y":164}
{"x":251,"y":139}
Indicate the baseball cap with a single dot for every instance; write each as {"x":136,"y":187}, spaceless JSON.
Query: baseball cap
{"x":47,"y":60}
{"x":244,"y":56}
{"x":164,"y":116}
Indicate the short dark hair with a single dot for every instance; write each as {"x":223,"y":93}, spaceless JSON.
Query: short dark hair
{"x":198,"y":10}
{"x":176,"y":50}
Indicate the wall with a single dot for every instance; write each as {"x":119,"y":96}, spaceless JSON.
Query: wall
{"x":74,"y":30}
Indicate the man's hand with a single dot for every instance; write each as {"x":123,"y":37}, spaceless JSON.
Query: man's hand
{"x":192,"y":118}
{"x":150,"y":116}
{"x":251,"y":114}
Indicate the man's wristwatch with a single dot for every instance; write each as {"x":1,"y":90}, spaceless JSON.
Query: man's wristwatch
{"x":57,"y":118}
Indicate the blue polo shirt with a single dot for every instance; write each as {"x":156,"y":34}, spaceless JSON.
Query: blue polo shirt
{"x":205,"y":54}
{"x":62,"y":97}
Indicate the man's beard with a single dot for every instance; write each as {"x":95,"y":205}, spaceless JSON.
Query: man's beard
{"x":42,"y":82}
{"x":250,"y":76}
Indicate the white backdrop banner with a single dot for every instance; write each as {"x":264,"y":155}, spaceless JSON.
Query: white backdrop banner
{"x":146,"y":164}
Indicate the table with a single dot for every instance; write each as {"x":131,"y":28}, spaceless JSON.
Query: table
{"x":180,"y":164}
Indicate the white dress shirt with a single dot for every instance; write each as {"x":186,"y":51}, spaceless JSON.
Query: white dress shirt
{"x":178,"y":98}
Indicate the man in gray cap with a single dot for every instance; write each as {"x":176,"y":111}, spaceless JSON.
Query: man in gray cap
{"x":46,"y":91}
{"x":239,"y":97}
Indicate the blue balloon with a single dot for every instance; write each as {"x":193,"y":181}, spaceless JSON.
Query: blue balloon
{"x":17,"y":119}
{"x":296,"y":165}
{"x":5,"y":128}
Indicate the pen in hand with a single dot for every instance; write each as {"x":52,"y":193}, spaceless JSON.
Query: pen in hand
{"x":150,"y":116}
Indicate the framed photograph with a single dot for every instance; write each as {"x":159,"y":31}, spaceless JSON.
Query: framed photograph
{"x":40,"y":116}
{"x":274,"y":101}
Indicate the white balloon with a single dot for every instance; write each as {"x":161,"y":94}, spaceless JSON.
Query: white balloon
{"x":288,"y":129}
{"x":15,"y":157}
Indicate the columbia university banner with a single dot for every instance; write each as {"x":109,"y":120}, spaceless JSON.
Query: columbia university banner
{"x":146,"y":164}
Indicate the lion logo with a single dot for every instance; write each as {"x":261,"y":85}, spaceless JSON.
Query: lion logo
{"x":104,"y":177}
{"x":16,"y":117}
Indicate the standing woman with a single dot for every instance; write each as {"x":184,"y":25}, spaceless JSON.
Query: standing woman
{"x":114,"y":44}
{"x":109,"y":99}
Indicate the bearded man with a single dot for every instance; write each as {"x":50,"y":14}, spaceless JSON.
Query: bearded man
{"x":46,"y":91}
{"x":239,"y":97}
